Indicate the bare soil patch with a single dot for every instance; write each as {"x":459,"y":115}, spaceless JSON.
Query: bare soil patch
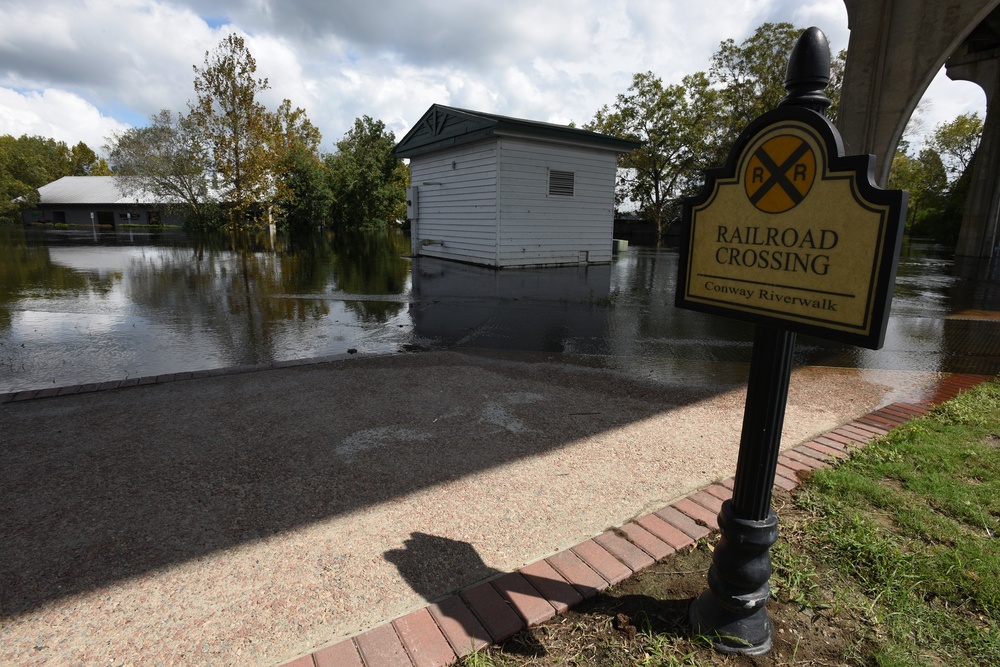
{"x":644,"y":621}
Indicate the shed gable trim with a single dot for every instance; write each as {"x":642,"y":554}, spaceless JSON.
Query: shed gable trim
{"x":442,"y":127}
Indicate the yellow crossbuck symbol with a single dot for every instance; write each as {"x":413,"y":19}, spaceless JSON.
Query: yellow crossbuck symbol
{"x":780,"y":174}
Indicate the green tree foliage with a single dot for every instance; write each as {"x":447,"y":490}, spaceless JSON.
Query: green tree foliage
{"x":29,"y":162}
{"x":924,"y":177}
{"x":165,"y":160}
{"x":687,"y":128}
{"x":302,"y":196}
{"x":956,"y":142}
{"x":751,"y":75}
{"x":938,"y":178}
{"x":236,"y":128}
{"x":230,"y":153}
{"x":674,"y":124}
{"x":367,"y":180}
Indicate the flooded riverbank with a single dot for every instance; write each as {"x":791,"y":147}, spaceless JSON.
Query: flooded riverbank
{"x":77,"y":307}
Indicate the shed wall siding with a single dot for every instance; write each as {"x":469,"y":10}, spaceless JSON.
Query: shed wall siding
{"x":538,"y":228}
{"x":458,"y":205}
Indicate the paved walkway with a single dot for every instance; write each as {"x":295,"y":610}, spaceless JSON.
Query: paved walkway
{"x":250,"y":516}
{"x":443,"y":632}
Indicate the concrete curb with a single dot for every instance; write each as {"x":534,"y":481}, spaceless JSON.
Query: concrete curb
{"x":50,"y":392}
{"x":490,"y":612}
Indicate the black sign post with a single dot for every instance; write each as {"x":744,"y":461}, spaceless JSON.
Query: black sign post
{"x":795,"y":237}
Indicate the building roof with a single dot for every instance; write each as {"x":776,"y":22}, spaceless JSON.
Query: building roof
{"x":443,"y":127}
{"x":89,"y":190}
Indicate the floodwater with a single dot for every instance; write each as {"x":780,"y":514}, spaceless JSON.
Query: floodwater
{"x":83,"y":307}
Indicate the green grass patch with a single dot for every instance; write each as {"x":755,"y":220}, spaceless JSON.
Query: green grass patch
{"x":912,"y":522}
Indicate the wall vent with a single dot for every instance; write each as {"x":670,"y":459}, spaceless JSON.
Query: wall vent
{"x":561,"y":183}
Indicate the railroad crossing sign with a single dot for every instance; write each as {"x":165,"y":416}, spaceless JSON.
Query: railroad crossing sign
{"x":794,"y":237}
{"x":794,"y":234}
{"x":780,"y":174}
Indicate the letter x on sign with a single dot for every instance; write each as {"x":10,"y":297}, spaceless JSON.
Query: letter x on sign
{"x":780,"y":174}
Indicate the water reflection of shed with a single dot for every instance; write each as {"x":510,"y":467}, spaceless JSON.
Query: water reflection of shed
{"x":506,"y":192}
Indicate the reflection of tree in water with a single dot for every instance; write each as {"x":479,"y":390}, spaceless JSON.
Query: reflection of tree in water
{"x":235,"y":289}
{"x":372,"y":263}
{"x":27,"y":271}
{"x":244,"y":290}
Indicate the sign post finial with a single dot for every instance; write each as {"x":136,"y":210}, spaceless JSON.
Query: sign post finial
{"x":808,"y":72}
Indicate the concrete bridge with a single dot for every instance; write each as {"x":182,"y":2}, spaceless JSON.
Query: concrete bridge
{"x":895,"y":50}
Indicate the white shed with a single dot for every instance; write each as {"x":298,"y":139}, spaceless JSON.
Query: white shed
{"x":506,"y":192}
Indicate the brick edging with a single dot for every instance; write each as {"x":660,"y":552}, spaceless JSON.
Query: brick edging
{"x":490,"y":612}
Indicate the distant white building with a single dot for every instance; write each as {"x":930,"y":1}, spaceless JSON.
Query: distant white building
{"x":83,"y":200}
{"x":506,"y":192}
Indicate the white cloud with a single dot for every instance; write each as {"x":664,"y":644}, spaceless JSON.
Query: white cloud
{"x":341,"y":59}
{"x":56,"y":114}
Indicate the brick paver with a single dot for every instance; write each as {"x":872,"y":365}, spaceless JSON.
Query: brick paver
{"x":707,"y":500}
{"x":698,"y":513}
{"x":552,"y":585}
{"x":495,"y":613}
{"x":423,"y":640}
{"x":672,"y":535}
{"x":382,"y":647}
{"x":634,"y":558}
{"x":610,"y":568}
{"x":862,"y":434}
{"x":344,"y":654}
{"x":464,"y":632}
{"x":583,"y":577}
{"x":682,"y":522}
{"x":785,"y":484}
{"x":647,"y":541}
{"x":781,"y":470}
{"x":796,"y":466}
{"x":844,"y":438}
{"x":809,"y":457}
{"x":719,"y":491}
{"x":825,"y":449}
{"x":524,"y":598}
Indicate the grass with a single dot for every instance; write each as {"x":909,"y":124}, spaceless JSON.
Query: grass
{"x":890,"y":558}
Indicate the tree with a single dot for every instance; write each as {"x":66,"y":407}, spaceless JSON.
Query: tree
{"x":367,"y":180}
{"x":29,"y":162}
{"x":166,"y":160}
{"x":924,"y":177}
{"x":956,"y":142}
{"x":235,"y":127}
{"x":687,"y":128}
{"x":85,"y":162}
{"x":302,"y":194}
{"x":751,"y":75}
{"x":674,"y":125}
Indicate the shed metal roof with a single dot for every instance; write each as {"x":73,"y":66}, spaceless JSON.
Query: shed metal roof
{"x":89,"y":190}
{"x":443,"y":127}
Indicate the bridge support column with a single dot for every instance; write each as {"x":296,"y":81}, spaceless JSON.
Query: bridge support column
{"x":896,"y":49}
{"x":978,"y":234}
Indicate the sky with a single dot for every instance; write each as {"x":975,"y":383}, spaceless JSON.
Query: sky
{"x":81,"y":70}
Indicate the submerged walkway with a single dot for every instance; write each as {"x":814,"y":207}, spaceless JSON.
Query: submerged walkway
{"x":309,"y":512}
